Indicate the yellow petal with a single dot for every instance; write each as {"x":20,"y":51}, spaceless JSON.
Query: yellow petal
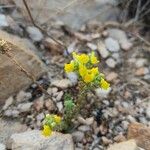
{"x":94,"y":71}
{"x":69,"y":67}
{"x":94,"y":59}
{"x":57,"y":119}
{"x":88,"y":78}
{"x":104,"y":84}
{"x":46,"y":130}
{"x":83,"y":58}
{"x":82,"y":70}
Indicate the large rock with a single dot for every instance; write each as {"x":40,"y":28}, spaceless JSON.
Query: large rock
{"x":34,"y":140}
{"x":7,"y":128}
{"x":127,"y":145}
{"x":12,"y":79}
{"x":141,"y":134}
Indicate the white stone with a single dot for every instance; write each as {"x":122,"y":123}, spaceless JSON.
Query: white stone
{"x":8,"y":102}
{"x":111,"y":62}
{"x":92,"y":46}
{"x":23,"y":96}
{"x":72,"y":77}
{"x":2,"y":146}
{"x":34,"y":140}
{"x":60,"y":106}
{"x":59,"y":96}
{"x":3,"y":21}
{"x":101,"y":93}
{"x":34,"y":33}
{"x":112,"y":45}
{"x":140,"y":62}
{"x":78,"y":136}
{"x":102,"y":50}
{"x":148,"y":111}
{"x":24,"y":107}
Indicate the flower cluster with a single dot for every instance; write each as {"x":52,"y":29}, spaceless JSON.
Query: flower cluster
{"x":84,"y":66}
{"x":51,"y":123}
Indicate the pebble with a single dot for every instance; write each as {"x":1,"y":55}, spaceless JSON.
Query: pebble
{"x":63,"y":83}
{"x":24,"y":107}
{"x":3,"y":21}
{"x":101,"y":93}
{"x":59,"y":96}
{"x":78,"y":136}
{"x":112,"y":45}
{"x":52,"y":90}
{"x":87,"y":121}
{"x":92,"y":46}
{"x":49,"y":104}
{"x":119,"y":138}
{"x":39,"y":103}
{"x":125,"y":124}
{"x":84,"y":128}
{"x":2,"y":146}
{"x":73,"y":77}
{"x":11,"y":113}
{"x":59,"y":106}
{"x":34,"y":33}
{"x":141,"y":71}
{"x":8,"y":102}
{"x":140,"y":62}
{"x":23,"y":96}
{"x":148,"y":111}
{"x":131,"y":119}
{"x":106,"y":141}
{"x":111,"y":62}
{"x":111,"y":76}
{"x":103,"y":50}
{"x":40,"y":116}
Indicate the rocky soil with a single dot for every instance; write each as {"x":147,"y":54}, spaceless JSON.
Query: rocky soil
{"x":120,"y":115}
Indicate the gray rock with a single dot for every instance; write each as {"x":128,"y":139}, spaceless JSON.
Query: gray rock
{"x":78,"y":136}
{"x":148,"y":110}
{"x":72,"y":76}
{"x":63,"y":83}
{"x":112,"y":45}
{"x":101,"y":93}
{"x":11,"y":113}
{"x":59,"y":96}
{"x":60,"y":106}
{"x":2,"y":146}
{"x":121,"y":37}
{"x":10,"y":72}
{"x":111,"y":62}
{"x":23,"y":96}
{"x":34,"y":33}
{"x":24,"y":107}
{"x":127,"y":145}
{"x":8,"y":102}
{"x":84,"y":128}
{"x":3,"y":21}
{"x":102,"y":50}
{"x":7,"y":128}
{"x":34,"y":140}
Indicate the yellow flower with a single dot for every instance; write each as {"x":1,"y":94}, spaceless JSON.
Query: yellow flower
{"x":104,"y":84}
{"x":69,"y":67}
{"x":46,"y":130}
{"x":88,"y":78}
{"x":94,"y":71}
{"x":82,"y":70}
{"x":57,"y":119}
{"x":83,"y":58}
{"x":93,"y":58}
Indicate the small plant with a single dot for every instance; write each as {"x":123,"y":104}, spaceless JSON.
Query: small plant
{"x":89,"y":77}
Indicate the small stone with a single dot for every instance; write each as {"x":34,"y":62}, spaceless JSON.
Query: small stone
{"x":125,"y":124}
{"x":63,"y":84}
{"x":131,"y":119}
{"x":25,"y":107}
{"x":87,"y":121}
{"x":40,"y":116}
{"x":148,"y":111}
{"x":49,"y":104}
{"x":127,"y":145}
{"x":141,"y":71}
{"x":112,"y":45}
{"x":101,"y":93}
{"x":23,"y":96}
{"x":111,"y":62}
{"x":92,"y":46}
{"x":59,"y":106}
{"x":104,"y":33}
{"x":34,"y":33}
{"x":3,"y":21}
{"x":39,"y":103}
{"x":102,"y":50}
{"x":84,"y":128}
{"x":141,"y":134}
{"x":34,"y":140}
{"x":140,"y":62}
{"x":106,"y":141}
{"x":111,"y":76}
{"x":119,"y":138}
{"x":8,"y":102}
{"x":78,"y":136}
{"x":2,"y":146}
{"x":73,"y":77}
{"x":59,"y":96}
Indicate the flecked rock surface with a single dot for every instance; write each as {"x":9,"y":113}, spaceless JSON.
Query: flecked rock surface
{"x":12,"y":79}
{"x":127,"y":145}
{"x":7,"y":128}
{"x":34,"y":140}
{"x":141,"y":134}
